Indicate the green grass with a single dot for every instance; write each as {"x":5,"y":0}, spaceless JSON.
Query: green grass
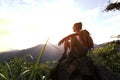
{"x":35,"y":67}
{"x":21,"y":69}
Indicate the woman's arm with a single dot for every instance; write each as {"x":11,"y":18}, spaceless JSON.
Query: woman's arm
{"x":66,"y":38}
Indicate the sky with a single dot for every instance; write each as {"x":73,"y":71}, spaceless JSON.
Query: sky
{"x":26,"y":23}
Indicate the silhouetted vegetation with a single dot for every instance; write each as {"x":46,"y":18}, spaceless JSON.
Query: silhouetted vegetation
{"x":109,"y":56}
{"x":113,"y":6}
{"x":20,"y":68}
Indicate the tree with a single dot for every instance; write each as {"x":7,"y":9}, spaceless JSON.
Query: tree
{"x":112,"y":6}
{"x":117,"y":36}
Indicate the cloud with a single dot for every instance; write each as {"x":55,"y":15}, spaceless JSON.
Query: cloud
{"x":4,"y":33}
{"x":4,"y":21}
{"x":112,"y":23}
{"x":115,"y":36}
{"x":90,"y":13}
{"x":115,"y":0}
{"x":29,"y":1}
{"x":113,"y":19}
{"x":23,"y":2}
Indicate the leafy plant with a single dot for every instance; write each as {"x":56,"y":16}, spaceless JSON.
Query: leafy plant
{"x":109,"y":56}
{"x":14,"y":69}
{"x":21,"y":69}
{"x":35,"y":73}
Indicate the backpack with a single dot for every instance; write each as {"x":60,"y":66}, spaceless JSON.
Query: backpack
{"x":87,"y":39}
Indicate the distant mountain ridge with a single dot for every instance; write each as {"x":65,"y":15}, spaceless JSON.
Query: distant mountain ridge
{"x":50,"y":53}
{"x":105,"y":44}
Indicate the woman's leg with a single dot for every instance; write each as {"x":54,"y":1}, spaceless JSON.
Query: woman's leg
{"x":66,"y":46}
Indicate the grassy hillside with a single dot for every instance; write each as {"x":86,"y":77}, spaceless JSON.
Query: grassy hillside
{"x":23,"y":66}
{"x":108,"y":54}
{"x":50,"y":53}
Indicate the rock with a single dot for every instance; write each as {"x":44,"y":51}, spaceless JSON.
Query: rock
{"x":81,"y":69}
{"x":105,"y":74}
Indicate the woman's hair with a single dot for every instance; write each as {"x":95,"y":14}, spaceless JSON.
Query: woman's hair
{"x":78,"y":25}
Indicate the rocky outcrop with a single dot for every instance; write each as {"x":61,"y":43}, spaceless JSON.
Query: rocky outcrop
{"x":81,"y":69}
{"x":105,"y":74}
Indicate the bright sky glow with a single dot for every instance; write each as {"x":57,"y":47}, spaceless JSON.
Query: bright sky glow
{"x":26,"y":23}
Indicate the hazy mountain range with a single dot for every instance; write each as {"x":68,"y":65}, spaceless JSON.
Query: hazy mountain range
{"x":51,"y":52}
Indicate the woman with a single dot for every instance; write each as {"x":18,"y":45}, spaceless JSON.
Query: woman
{"x":75,"y":42}
{"x":77,"y":49}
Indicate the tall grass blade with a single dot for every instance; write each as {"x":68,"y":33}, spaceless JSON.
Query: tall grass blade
{"x":55,"y":47}
{"x":41,"y":53}
{"x":23,"y":73}
{"x":34,"y":71}
{"x":10,"y":72}
{"x":3,"y":76}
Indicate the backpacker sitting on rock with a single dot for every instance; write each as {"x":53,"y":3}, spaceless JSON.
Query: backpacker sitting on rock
{"x":79,"y":43}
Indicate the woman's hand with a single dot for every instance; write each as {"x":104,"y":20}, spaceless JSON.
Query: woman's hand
{"x":65,"y":39}
{"x":61,"y":41}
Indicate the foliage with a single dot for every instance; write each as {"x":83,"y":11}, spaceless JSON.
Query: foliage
{"x":21,"y":69}
{"x":109,"y":56}
{"x":113,"y":6}
{"x":15,"y":68}
{"x":34,"y":71}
